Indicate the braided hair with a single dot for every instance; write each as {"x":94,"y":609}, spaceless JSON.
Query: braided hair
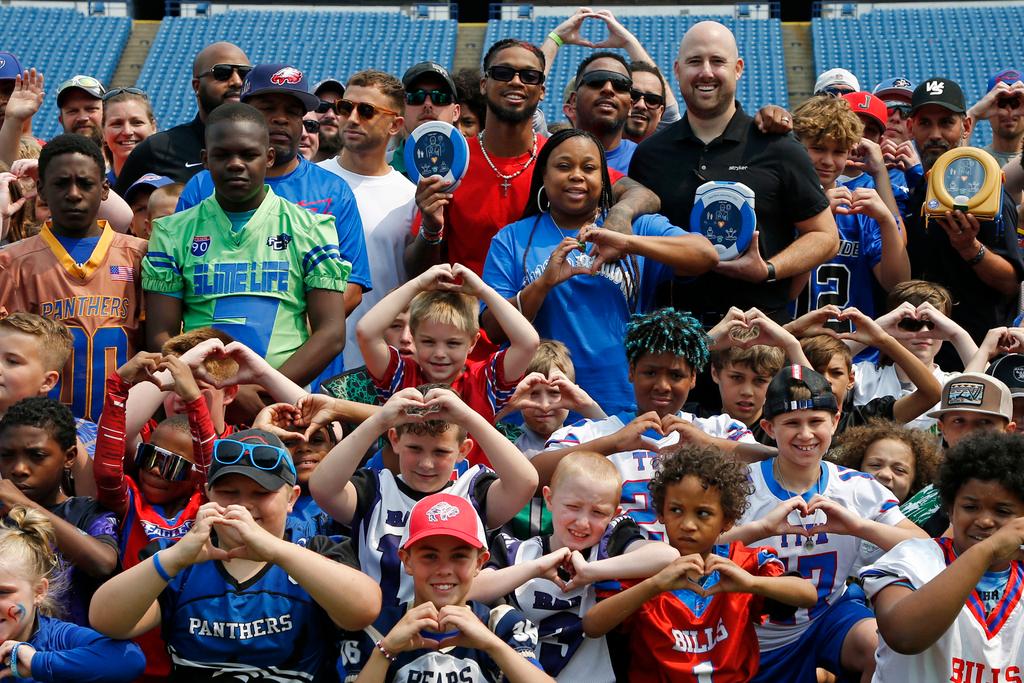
{"x":667,"y":331}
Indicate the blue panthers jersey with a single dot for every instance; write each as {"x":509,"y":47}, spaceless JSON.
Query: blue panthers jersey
{"x":266,"y":628}
{"x":458,"y":664}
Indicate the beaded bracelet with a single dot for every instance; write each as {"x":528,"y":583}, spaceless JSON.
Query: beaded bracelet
{"x":387,"y":655}
{"x":435,"y":240}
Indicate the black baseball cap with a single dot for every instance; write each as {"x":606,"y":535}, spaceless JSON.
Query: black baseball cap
{"x":943,"y":92}
{"x":778,"y":402}
{"x":1010,"y":370}
{"x":332,"y":84}
{"x":417,"y":71}
{"x":246,"y":453}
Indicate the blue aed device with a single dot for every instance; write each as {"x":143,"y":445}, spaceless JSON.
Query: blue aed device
{"x":437,"y":148}
{"x":723,"y":211}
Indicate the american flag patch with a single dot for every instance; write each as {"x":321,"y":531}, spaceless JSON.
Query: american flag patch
{"x":122,"y":274}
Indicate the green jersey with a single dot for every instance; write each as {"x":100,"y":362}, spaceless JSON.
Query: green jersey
{"x":252,"y":283}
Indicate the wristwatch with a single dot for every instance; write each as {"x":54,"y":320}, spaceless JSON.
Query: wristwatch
{"x":771,"y":272}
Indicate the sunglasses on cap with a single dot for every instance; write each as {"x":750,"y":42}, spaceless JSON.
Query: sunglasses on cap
{"x":505,"y":74}
{"x":909,"y":324}
{"x":122,"y":91}
{"x":903,"y":109}
{"x":86,"y":82}
{"x":440,"y":98}
{"x":311,"y":126}
{"x":835,"y":91}
{"x":261,"y":456}
{"x":222,"y":72}
{"x":365,"y":110}
{"x":652,"y":99}
{"x":598,"y":77}
{"x":170,"y":465}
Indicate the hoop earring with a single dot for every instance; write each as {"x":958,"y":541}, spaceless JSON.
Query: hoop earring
{"x":540,"y":190}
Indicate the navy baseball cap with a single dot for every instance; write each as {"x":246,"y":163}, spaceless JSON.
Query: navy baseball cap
{"x":279,"y":78}
{"x":1009,"y":76}
{"x":898,"y":89}
{"x":150,"y":180}
{"x":256,"y":454}
{"x":9,"y":66}
{"x":332,"y":84}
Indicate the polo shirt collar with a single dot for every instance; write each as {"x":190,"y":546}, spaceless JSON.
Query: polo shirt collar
{"x":735,"y":131}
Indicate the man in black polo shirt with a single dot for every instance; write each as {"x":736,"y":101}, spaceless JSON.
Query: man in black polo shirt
{"x":978,"y":261}
{"x":717,"y":140}
{"x":217,"y":74}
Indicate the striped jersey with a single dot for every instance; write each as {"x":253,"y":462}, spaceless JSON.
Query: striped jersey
{"x":251,"y":283}
{"x":100,"y":301}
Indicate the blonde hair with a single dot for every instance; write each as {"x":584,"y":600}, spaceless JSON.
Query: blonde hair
{"x":219,"y":368}
{"x":53,"y":336}
{"x":761,"y":358}
{"x":829,"y":118}
{"x":552,"y":355}
{"x":27,"y":539}
{"x":587,"y":465}
{"x":446,"y":308}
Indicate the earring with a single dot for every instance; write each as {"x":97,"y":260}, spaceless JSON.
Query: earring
{"x":539,"y":206}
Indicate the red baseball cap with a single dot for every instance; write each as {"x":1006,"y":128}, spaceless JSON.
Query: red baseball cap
{"x":443,"y":514}
{"x":866,"y":104}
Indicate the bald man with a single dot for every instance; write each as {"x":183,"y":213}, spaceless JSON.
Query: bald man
{"x":217,"y":74}
{"x":717,"y":140}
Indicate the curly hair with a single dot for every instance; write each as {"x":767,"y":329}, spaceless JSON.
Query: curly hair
{"x":985,"y":456}
{"x":827,"y":118}
{"x":852,"y":446}
{"x":713,"y":469}
{"x":43,"y":413}
{"x":71,"y":143}
{"x":667,"y":331}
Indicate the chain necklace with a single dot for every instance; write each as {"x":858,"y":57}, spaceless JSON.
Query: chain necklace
{"x":777,"y":471}
{"x":506,"y":180}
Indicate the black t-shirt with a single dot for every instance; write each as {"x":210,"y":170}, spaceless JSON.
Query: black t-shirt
{"x":976,"y":306}
{"x":854,"y":416}
{"x":175,"y":153}
{"x":673,"y":163}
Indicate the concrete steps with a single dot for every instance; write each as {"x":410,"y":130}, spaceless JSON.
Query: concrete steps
{"x":469,"y":46}
{"x":135,"y":52}
{"x":798,"y":49}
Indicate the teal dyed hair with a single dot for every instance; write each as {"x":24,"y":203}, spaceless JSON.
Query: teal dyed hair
{"x":667,"y":331}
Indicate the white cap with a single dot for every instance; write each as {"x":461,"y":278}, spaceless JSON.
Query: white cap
{"x":834,"y":77}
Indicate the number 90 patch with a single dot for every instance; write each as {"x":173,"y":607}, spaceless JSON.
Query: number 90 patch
{"x":200,"y":245}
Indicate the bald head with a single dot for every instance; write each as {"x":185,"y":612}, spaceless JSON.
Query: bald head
{"x":217,"y":53}
{"x":713,"y":34}
{"x":708,"y":67}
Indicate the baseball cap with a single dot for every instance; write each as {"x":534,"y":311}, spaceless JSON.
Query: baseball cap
{"x":443,"y":514}
{"x":87,"y":84}
{"x":836,"y":78}
{"x":1005,"y":76}
{"x":416,"y":71}
{"x":329,"y":84}
{"x":9,"y":66}
{"x":256,"y":454}
{"x":941,"y":91}
{"x":977,"y":393}
{"x":778,"y":401}
{"x":898,"y":90}
{"x":1009,"y":369}
{"x":279,"y":78}
{"x":149,"y":180}
{"x":864,"y":103}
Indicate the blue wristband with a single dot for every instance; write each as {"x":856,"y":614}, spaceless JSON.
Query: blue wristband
{"x":13,"y":663}
{"x":160,"y":568}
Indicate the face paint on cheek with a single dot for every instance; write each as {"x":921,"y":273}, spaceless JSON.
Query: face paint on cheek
{"x":16,"y":612}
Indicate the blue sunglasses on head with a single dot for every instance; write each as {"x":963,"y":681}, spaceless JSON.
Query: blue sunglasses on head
{"x":262,"y":456}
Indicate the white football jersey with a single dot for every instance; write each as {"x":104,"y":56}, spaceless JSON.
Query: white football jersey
{"x":977,"y":648}
{"x":826,"y":559}
{"x":637,"y":467}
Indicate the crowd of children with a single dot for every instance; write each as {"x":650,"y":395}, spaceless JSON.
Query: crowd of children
{"x":841,"y":508}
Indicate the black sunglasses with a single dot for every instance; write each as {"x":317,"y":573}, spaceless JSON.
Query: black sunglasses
{"x":597,"y":78}
{"x":366,"y":111}
{"x":121,"y":91}
{"x":652,"y":99}
{"x":835,"y":91}
{"x":903,"y":109}
{"x":909,"y":324}
{"x":170,"y":465}
{"x":440,"y":98}
{"x":222,"y":72}
{"x":1008,"y":103}
{"x":505,"y":74}
{"x":311,"y":126}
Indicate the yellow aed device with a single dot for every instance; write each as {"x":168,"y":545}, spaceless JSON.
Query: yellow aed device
{"x":966,"y":179}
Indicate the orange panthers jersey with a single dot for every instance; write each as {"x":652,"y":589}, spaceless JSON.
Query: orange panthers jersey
{"x":100,"y":301}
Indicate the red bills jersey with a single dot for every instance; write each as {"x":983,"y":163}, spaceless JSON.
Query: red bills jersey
{"x":681,"y":637}
{"x":100,"y":301}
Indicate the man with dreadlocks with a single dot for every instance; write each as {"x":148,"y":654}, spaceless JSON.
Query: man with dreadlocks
{"x":665,"y":350}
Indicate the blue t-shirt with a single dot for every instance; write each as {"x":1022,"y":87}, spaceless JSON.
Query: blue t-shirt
{"x":620,"y":157}
{"x":66,"y":652}
{"x":588,"y":313}
{"x":990,"y":588}
{"x":239,"y":219}
{"x":847,"y":279}
{"x":78,"y":248}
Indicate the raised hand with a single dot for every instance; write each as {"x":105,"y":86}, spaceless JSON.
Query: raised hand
{"x":437,"y":278}
{"x":27,"y":96}
{"x":405,"y":635}
{"x":281,"y":419}
{"x":184,"y":384}
{"x":569,"y":30}
{"x":140,"y":368}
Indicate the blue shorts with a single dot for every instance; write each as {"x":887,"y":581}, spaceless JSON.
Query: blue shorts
{"x":820,"y":646}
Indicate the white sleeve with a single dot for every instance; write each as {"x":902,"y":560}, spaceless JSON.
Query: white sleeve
{"x":875,"y":502}
{"x":911,"y":563}
{"x":725,"y":427}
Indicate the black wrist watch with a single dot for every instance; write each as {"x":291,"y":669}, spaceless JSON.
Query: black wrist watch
{"x":771,"y":272}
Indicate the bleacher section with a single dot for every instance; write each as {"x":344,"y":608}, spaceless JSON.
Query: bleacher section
{"x":967,"y":44}
{"x":760,"y":41}
{"x":39,"y":39}
{"x":321,"y":43}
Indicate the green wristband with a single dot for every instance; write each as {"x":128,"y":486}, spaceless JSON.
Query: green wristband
{"x":557,"y":39}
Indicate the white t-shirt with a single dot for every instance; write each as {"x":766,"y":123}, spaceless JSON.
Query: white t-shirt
{"x":387,"y":204}
{"x":977,"y":647}
{"x":874,"y":380}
